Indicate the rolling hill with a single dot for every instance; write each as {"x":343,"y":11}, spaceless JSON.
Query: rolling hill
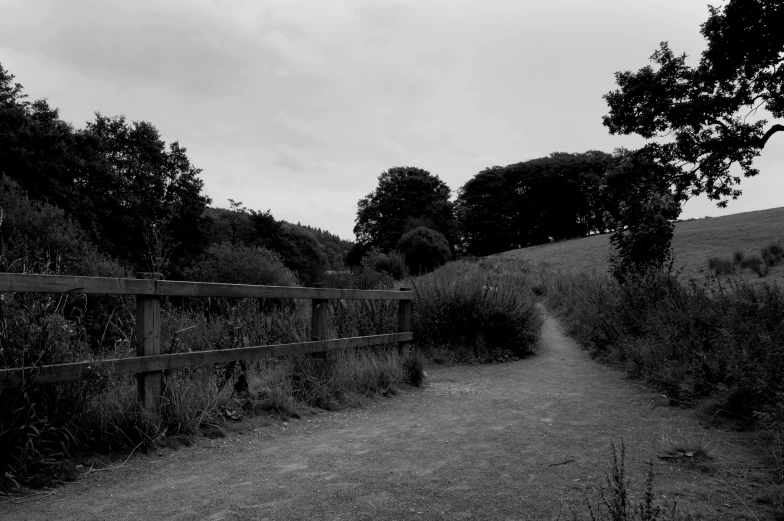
{"x":694,"y":242}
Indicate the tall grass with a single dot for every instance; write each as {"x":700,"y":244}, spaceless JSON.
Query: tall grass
{"x":42,"y":427}
{"x":689,"y":340}
{"x":724,"y":340}
{"x":477,"y":308}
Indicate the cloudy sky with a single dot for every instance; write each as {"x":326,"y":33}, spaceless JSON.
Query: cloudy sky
{"x":298,"y":105}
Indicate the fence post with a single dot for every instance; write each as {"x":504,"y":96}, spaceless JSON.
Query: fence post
{"x":148,"y":334}
{"x":319,"y":317}
{"x":404,"y":322}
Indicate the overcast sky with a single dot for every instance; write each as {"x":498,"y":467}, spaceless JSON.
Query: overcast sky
{"x":298,"y":106}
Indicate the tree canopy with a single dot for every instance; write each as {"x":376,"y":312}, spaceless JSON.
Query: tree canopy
{"x":533,"y":202}
{"x":709,"y":111}
{"x":117,"y":179}
{"x":406,"y":198}
{"x":424,"y":249}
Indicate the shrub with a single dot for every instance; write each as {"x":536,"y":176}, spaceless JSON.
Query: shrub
{"x":756,"y":264}
{"x":476,"y":308}
{"x":239,"y":264}
{"x":772,"y":254}
{"x":392,"y":263}
{"x":721,"y":265}
{"x":378,"y":270}
{"x":738,"y":256}
{"x":424,"y":249}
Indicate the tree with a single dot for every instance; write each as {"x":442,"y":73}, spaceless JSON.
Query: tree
{"x":41,"y":153}
{"x":533,"y":202}
{"x":143,"y":183}
{"x":118,"y":180}
{"x":405,"y":198}
{"x":643,"y":216}
{"x":424,"y":250}
{"x":709,"y":110}
{"x":302,"y":253}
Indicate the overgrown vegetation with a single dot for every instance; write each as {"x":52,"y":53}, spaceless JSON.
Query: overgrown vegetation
{"x":687,"y":339}
{"x":478,"y":310}
{"x":44,"y":427}
{"x":721,"y":340}
{"x":472,"y":310}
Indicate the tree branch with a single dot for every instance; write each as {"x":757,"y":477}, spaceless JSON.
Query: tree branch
{"x":772,"y":130}
{"x":722,"y":124}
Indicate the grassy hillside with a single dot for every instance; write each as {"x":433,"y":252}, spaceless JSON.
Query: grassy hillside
{"x":694,"y":242}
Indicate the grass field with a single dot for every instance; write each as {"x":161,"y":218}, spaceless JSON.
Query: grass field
{"x":694,"y":242}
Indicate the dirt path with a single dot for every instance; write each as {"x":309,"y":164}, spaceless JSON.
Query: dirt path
{"x":511,"y":441}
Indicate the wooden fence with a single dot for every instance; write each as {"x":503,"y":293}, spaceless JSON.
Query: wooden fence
{"x":150,"y":363}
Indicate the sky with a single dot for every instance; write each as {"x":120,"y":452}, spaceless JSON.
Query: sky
{"x":297,"y":106}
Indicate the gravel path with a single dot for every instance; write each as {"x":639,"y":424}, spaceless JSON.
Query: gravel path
{"x":523,"y":440}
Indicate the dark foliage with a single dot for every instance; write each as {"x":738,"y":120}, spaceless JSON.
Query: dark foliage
{"x":424,"y":250}
{"x":117,"y":179}
{"x":705,"y":108}
{"x":307,"y":251}
{"x":406,"y":198}
{"x":533,"y":202}
{"x":643,"y":217}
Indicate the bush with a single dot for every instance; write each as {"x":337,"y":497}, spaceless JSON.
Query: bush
{"x":721,"y":265}
{"x":392,"y":263}
{"x":756,"y":264}
{"x":237,"y":264}
{"x":772,"y":254}
{"x":424,"y":250}
{"x":476,"y":308}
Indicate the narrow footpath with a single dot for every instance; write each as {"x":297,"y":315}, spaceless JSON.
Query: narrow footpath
{"x":528,"y":440}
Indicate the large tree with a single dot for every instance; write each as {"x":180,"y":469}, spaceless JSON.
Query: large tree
{"x":706,"y":116}
{"x":118,"y":179}
{"x":406,"y":198}
{"x":533,"y":202}
{"x":145,"y":184}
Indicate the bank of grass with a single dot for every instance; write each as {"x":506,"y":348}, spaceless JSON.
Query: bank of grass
{"x":694,"y":242}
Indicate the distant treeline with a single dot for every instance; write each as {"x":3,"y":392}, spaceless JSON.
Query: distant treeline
{"x":561,"y":196}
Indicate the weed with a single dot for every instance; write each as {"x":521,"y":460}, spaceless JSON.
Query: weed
{"x":413,"y":368}
{"x":616,"y":503}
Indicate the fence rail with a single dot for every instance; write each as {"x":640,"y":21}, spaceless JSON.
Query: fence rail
{"x":149,"y":363}
{"x":176,"y":288}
